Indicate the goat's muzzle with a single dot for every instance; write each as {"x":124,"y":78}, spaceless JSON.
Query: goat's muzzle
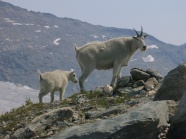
{"x":144,"y":47}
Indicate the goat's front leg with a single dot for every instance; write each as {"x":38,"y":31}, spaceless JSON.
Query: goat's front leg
{"x":61,"y":92}
{"x":116,"y":74}
{"x":52,"y":96}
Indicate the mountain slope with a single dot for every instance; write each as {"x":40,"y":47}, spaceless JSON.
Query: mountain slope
{"x":33,"y":40}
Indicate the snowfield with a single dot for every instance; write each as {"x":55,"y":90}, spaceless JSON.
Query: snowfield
{"x":14,"y":96}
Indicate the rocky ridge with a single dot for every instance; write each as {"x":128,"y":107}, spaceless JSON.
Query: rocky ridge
{"x":129,"y":110}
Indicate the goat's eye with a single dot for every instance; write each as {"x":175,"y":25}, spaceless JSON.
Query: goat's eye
{"x":74,"y":75}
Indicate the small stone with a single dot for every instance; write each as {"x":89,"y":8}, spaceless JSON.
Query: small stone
{"x":132,"y":102}
{"x":50,"y":133}
{"x":122,"y":82}
{"x":152,"y":92}
{"x":139,"y":83}
{"x":105,"y":117}
{"x":143,"y":93}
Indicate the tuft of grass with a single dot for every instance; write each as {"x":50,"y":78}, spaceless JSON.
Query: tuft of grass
{"x":28,"y":101}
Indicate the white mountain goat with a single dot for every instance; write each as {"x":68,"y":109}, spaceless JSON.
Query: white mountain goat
{"x":114,"y":53}
{"x":55,"y":81}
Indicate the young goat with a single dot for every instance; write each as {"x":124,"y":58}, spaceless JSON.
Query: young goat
{"x":55,"y":81}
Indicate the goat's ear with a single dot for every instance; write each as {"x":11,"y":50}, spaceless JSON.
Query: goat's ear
{"x":41,"y":77}
{"x":145,"y":36}
{"x":135,"y":38}
{"x":72,"y":70}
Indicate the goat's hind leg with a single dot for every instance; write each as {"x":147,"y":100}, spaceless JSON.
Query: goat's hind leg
{"x":85,"y":73}
{"x":116,"y":75}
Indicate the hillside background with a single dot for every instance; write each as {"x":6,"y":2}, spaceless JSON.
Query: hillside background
{"x":32,"y":40}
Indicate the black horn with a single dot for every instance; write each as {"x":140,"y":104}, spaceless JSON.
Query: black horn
{"x":136,"y":32}
{"x":141,"y":31}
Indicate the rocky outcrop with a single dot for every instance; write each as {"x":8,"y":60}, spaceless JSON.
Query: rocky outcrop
{"x":140,"y":83}
{"x":43,"y":122}
{"x":128,"y":111}
{"x":174,"y":84}
{"x":143,"y":122}
{"x":178,"y":124}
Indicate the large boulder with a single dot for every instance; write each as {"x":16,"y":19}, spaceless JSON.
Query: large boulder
{"x":174,"y":85}
{"x":178,"y":125}
{"x":143,"y":122}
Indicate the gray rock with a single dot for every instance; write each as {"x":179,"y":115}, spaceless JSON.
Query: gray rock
{"x":90,"y":114}
{"x":81,"y":99}
{"x":130,"y":92}
{"x":139,"y":83}
{"x":173,"y":107}
{"x":140,"y":123}
{"x":125,"y":91}
{"x":177,"y":128}
{"x":122,"y":82}
{"x":43,"y":122}
{"x":24,"y":133}
{"x":151,"y":83}
{"x":139,"y":74}
{"x":104,"y":89}
{"x":143,"y":93}
{"x":132,"y":102}
{"x":107,"y":112}
{"x":174,"y":84}
{"x":137,"y":89}
{"x":155,"y":73}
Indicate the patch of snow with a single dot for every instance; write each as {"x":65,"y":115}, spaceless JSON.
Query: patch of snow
{"x":56,"y":26}
{"x":16,"y":24}
{"x":14,"y":95}
{"x":94,"y":36}
{"x":152,"y":47}
{"x":7,"y":39}
{"x":47,"y":26}
{"x":134,"y":59}
{"x":29,"y":24}
{"x":103,"y":36}
{"x":51,"y":53}
{"x":26,"y":87}
{"x":56,"y":41}
{"x":9,"y":20}
{"x":149,"y":58}
{"x":68,"y":35}
{"x":37,"y":30}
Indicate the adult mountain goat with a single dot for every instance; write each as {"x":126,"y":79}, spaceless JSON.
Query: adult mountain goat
{"x":114,"y":53}
{"x":56,"y":80}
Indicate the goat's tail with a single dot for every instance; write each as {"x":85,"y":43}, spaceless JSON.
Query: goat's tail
{"x":40,"y":74}
{"x":76,"y":49}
